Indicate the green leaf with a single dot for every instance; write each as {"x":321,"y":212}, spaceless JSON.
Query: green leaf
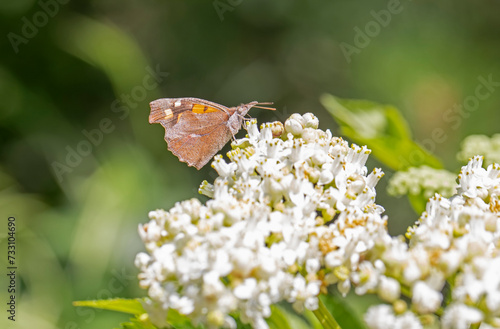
{"x":180,"y":321}
{"x":130,"y":306}
{"x":137,"y":323}
{"x":277,"y":319}
{"x":342,"y":312}
{"x":134,"y":306}
{"x":313,"y":320}
{"x":325,"y":317}
{"x":282,"y":318}
{"x":382,"y":128}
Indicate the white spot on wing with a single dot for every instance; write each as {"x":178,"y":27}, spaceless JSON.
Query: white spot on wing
{"x":168,"y":113}
{"x":178,"y":103}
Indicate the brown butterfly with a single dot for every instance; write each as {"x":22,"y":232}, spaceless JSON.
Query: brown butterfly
{"x":196,"y":129}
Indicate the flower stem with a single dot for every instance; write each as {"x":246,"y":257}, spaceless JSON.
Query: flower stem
{"x":324,"y":317}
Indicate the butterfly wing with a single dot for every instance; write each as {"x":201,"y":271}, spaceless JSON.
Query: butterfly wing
{"x":167,"y":111}
{"x":196,"y":138}
{"x":195,"y":129}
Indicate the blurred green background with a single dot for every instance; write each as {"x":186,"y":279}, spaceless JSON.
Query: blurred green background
{"x":80,"y":167}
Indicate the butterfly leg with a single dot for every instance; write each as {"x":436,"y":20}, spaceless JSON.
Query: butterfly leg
{"x":244,"y":118}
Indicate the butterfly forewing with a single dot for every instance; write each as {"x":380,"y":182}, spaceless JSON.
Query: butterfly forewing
{"x":167,"y":110}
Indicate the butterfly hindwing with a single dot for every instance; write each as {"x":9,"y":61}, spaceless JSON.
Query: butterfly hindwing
{"x":196,"y":138}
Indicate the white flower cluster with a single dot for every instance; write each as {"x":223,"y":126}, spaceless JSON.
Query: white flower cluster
{"x":489,"y":147}
{"x":454,"y":246}
{"x":422,"y":181}
{"x":292,"y":212}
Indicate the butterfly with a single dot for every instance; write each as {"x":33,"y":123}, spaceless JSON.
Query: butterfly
{"x":196,"y":129}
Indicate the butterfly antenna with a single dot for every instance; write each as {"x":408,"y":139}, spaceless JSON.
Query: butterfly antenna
{"x":264,"y":107}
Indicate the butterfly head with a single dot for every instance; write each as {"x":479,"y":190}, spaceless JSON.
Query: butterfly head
{"x":244,"y":108}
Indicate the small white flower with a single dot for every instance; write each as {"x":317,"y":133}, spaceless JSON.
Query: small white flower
{"x":450,"y":261}
{"x":294,"y":125}
{"x":245,"y":290}
{"x":407,"y":320}
{"x":412,"y":271}
{"x":366,"y":279}
{"x":310,"y":121}
{"x":424,"y":181}
{"x":424,"y":299}
{"x":389,"y":289}
{"x":475,"y":181}
{"x":473,"y":145}
{"x":459,"y":316}
{"x":141,"y":260}
{"x":491,"y":281}
{"x":380,"y":317}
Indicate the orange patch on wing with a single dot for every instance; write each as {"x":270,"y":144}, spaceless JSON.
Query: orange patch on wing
{"x":179,"y":116}
{"x":199,"y":109}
